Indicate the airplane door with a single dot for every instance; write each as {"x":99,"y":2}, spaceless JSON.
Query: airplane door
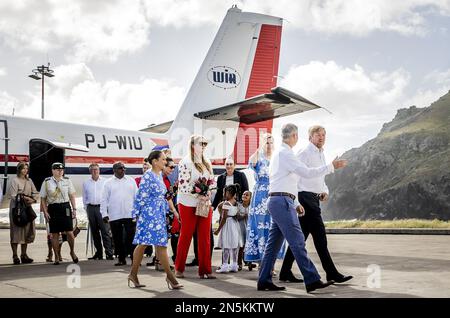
{"x":42,"y":155}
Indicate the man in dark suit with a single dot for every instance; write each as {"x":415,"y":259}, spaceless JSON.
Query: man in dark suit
{"x":230,"y":176}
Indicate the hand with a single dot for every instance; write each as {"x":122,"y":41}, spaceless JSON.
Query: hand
{"x":46,"y":216}
{"x":105,"y":219}
{"x":28,"y":200}
{"x":339,"y":163}
{"x":323,"y":196}
{"x":175,"y":213}
{"x":74,"y":213}
{"x":300,"y":210}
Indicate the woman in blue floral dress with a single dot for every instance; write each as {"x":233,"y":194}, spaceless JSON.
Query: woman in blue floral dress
{"x":150,"y":208}
{"x":259,"y":218}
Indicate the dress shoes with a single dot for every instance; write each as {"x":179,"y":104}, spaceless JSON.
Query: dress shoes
{"x":269,"y":287}
{"x":290,"y":278}
{"x":341,"y":278}
{"x":318,"y":285}
{"x":193,"y":263}
{"x":109,"y":257}
{"x":121,"y":263}
{"x":96,"y":257}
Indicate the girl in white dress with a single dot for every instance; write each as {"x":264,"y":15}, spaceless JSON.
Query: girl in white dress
{"x":230,"y":239}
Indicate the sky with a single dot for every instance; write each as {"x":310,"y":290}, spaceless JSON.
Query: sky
{"x":128,"y":64}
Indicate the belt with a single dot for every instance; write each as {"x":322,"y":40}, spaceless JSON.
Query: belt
{"x":62,"y":203}
{"x":94,"y":205}
{"x":282,"y":194}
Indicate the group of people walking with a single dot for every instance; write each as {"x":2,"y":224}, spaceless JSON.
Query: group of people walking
{"x":254,"y":228}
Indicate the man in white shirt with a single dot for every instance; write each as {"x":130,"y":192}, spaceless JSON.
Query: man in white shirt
{"x":92,"y":196}
{"x":116,"y":206}
{"x":310,"y":193}
{"x":283,"y":206}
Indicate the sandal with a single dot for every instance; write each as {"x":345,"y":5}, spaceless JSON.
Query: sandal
{"x":207,"y":276}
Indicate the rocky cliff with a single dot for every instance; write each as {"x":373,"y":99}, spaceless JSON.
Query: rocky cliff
{"x":402,"y":173}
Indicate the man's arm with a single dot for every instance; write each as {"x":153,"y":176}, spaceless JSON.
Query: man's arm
{"x":219,"y":192}
{"x":84,"y":194}
{"x":304,"y":171}
{"x":104,"y":201}
{"x":244,"y":182}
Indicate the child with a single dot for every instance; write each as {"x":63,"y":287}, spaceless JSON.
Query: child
{"x":242,"y":217}
{"x":230,"y":239}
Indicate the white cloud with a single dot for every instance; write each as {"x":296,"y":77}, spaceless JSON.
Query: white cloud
{"x":78,"y":97}
{"x":7,"y":103}
{"x":100,"y":30}
{"x":106,"y":29}
{"x":360,"y":101}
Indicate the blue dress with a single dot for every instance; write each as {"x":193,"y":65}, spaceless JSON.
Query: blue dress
{"x":259,"y":218}
{"x":150,"y":207}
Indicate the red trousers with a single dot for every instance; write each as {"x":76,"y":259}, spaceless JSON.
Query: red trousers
{"x":189,"y":223}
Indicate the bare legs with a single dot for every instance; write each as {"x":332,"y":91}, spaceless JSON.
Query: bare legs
{"x":161,"y":255}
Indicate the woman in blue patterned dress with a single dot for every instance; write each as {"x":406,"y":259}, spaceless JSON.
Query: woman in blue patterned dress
{"x":150,"y":207}
{"x":259,"y":218}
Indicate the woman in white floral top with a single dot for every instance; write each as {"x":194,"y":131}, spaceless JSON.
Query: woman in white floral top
{"x":191,"y":168}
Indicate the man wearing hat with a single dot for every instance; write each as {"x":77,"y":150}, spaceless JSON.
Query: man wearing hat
{"x":58,"y":202}
{"x":116,"y":206}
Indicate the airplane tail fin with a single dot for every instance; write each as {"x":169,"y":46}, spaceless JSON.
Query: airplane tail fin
{"x":242,"y":62}
{"x":234,"y":97}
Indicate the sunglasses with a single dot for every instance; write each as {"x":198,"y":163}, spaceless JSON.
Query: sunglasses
{"x":229,"y":164}
{"x":204,"y":144}
{"x":171,"y":167}
{"x":121,"y":168}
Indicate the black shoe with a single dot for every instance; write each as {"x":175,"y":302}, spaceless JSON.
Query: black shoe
{"x":26,"y":260}
{"x":193,"y":263}
{"x":96,"y":257}
{"x":16,"y":261}
{"x":109,"y":257}
{"x":318,"y":285}
{"x":290,"y":278}
{"x":341,"y":278}
{"x":120,"y":263}
{"x":270,"y":286}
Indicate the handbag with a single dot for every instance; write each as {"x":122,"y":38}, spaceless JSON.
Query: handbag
{"x":19,"y":212}
{"x":203,"y":206}
{"x":76,"y":229}
{"x":31,"y":215}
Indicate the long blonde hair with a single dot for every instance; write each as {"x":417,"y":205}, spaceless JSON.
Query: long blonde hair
{"x":205,"y":163}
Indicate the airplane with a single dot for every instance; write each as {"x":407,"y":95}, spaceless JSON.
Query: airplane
{"x":233,"y":100}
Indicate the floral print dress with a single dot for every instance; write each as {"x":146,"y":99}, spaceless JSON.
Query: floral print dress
{"x":259,"y":219}
{"x":150,"y":208}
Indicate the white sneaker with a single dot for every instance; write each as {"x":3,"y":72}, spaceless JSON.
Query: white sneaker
{"x":223,"y":269}
{"x":234,"y":268}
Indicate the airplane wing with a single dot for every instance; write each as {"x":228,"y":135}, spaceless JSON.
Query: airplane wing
{"x":160,"y":128}
{"x":279,"y":103}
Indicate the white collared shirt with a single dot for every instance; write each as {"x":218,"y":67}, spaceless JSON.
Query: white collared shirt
{"x":285,"y":169}
{"x":118,"y":198}
{"x":312,"y":157}
{"x":92,"y":191}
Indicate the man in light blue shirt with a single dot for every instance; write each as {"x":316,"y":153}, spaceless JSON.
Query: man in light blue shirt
{"x":283,"y":205}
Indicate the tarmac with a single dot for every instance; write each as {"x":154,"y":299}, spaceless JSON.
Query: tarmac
{"x":383,"y":266}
